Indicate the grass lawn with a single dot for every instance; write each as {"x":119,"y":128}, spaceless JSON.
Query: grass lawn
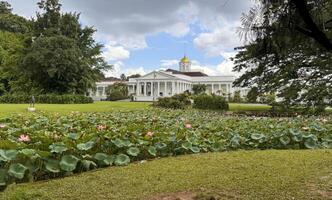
{"x":270,"y":174}
{"x":104,"y":106}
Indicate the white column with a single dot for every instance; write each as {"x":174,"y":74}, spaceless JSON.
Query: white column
{"x":220,"y":92}
{"x":137,"y":88}
{"x":158,"y":90}
{"x":152,"y":90}
{"x":144,"y":88}
{"x":104,"y":91}
{"x":173,"y":88}
{"x":165,"y":88}
{"x":212,"y":88}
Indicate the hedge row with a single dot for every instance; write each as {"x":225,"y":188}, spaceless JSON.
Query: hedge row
{"x":47,"y":98}
{"x":179,"y":101}
{"x":210,"y":102}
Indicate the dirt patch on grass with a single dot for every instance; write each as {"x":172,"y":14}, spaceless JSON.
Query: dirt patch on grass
{"x":324,"y":188}
{"x":194,"y":195}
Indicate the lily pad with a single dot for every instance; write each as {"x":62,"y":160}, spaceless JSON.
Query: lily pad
{"x":121,"y":160}
{"x":257,"y":136}
{"x":195,"y":149}
{"x":17,"y":170}
{"x":68,"y":163}
{"x":85,"y":146}
{"x":8,"y":155}
{"x":186,"y":145}
{"x":87,"y":164}
{"x":104,"y":159}
{"x":152,"y":151}
{"x":58,"y":148}
{"x":310,"y":143}
{"x":133,"y":151}
{"x":285,"y":140}
{"x":52,"y":166}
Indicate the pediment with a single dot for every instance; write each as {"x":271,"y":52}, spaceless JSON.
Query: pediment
{"x":157,"y":75}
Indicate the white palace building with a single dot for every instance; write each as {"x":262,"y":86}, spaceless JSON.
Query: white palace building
{"x":166,"y":83}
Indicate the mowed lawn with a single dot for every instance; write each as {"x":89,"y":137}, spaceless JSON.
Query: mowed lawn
{"x":270,"y":174}
{"x":105,"y":106}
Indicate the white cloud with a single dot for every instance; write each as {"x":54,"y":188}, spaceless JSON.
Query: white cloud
{"x":119,"y":68}
{"x":169,"y":63}
{"x":115,"y":53}
{"x":221,"y":39}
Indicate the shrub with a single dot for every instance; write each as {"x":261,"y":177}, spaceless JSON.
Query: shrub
{"x":47,"y":98}
{"x":211,"y":102}
{"x":178,"y":101}
{"x":116,"y":95}
{"x":237,"y":97}
{"x":199,"y":89}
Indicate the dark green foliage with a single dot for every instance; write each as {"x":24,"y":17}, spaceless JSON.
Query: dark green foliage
{"x":53,"y":53}
{"x":210,"y":102}
{"x":237,"y":97}
{"x":10,"y":22}
{"x":178,"y":101}
{"x":267,"y":98}
{"x":117,"y":91}
{"x":252,"y":95}
{"x":47,"y":99}
{"x":287,"y":54}
{"x":133,"y":76}
{"x":199,"y":89}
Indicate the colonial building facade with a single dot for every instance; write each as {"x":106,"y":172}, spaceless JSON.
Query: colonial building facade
{"x":166,"y":83}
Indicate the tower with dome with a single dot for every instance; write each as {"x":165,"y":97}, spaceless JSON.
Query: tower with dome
{"x":185,"y":64}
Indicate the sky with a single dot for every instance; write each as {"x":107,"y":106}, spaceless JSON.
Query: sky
{"x":140,"y":36}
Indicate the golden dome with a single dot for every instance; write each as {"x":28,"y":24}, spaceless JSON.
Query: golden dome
{"x":185,"y":60}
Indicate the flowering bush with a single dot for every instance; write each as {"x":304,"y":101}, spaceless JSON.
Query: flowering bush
{"x":35,"y":147}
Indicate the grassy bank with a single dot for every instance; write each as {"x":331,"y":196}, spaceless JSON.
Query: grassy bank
{"x":104,"y":106}
{"x":230,"y":175}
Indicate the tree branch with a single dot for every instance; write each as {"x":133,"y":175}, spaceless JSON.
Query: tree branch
{"x":316,"y":33}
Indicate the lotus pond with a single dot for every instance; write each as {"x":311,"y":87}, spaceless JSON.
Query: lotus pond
{"x":50,"y":145}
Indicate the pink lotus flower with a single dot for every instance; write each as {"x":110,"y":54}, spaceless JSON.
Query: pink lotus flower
{"x":149,"y":134}
{"x":24,"y":138}
{"x":188,"y":126}
{"x":2,"y":125}
{"x":101,"y":127}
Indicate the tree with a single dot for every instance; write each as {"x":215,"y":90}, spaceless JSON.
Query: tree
{"x":10,"y":22}
{"x":117,"y":91}
{"x":237,"y":97}
{"x":123,"y":77}
{"x":133,"y":76}
{"x":11,"y":48}
{"x":286,"y":54}
{"x":199,"y":89}
{"x":63,"y":57}
{"x":252,"y":95}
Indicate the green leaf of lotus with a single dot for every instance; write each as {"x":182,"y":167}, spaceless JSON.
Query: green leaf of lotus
{"x":294,"y":132}
{"x":73,"y":136}
{"x":216,"y":147}
{"x":285,"y":140}
{"x":58,"y":148}
{"x":152,"y":151}
{"x":310,"y":143}
{"x":257,"y":136}
{"x":186,"y":145}
{"x":85,"y":146}
{"x":3,"y":177}
{"x":87,"y":164}
{"x":52,"y":166}
{"x":118,"y":142}
{"x":195,"y":149}
{"x":297,"y":138}
{"x":17,"y":170}
{"x":133,"y":151}
{"x":104,"y":159}
{"x":121,"y":160}
{"x":8,"y":155}
{"x":160,"y":145}
{"x":68,"y":163}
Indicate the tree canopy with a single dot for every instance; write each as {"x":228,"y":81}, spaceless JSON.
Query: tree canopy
{"x":288,"y":50}
{"x":58,"y":54}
